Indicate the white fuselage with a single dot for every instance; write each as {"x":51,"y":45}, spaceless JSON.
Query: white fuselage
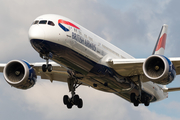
{"x":93,"y":48}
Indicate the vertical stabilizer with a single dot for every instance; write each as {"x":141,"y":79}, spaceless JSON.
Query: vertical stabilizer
{"x":161,"y":41}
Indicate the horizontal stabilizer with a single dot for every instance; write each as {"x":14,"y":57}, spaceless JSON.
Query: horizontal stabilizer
{"x":171,"y":89}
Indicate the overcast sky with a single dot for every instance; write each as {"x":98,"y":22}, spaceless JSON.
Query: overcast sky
{"x":132,"y":25}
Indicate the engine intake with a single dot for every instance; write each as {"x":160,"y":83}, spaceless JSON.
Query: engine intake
{"x":159,"y":69}
{"x":19,"y":74}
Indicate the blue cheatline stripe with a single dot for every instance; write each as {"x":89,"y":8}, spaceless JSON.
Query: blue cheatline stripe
{"x":64,"y":28}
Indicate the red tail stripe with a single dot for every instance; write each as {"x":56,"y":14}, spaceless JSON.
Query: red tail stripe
{"x":162,"y":42}
{"x":67,"y":23}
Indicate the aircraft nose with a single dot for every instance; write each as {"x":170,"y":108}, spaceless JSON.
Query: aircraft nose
{"x":36,"y":32}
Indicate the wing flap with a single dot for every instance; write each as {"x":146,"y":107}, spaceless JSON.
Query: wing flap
{"x":55,"y":75}
{"x":127,"y":67}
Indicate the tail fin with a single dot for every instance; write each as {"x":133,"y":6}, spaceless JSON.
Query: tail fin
{"x":161,"y":41}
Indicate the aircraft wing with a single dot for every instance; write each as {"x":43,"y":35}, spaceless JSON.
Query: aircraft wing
{"x":59,"y":73}
{"x":124,"y":67}
{"x":132,"y":67}
{"x":176,"y":63}
{"x":127,"y":67}
{"x":2,"y":67}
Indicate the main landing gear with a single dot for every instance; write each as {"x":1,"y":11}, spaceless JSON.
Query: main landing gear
{"x":74,"y":99}
{"x":142,"y":98}
{"x":136,"y":100}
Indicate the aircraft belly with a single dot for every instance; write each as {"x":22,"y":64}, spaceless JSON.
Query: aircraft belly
{"x":95,"y":75}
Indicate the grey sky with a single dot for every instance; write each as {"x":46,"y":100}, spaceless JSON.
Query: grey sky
{"x":133,"y":26}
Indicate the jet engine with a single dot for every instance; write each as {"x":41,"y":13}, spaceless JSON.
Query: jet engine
{"x":19,"y":74}
{"x":159,"y":69}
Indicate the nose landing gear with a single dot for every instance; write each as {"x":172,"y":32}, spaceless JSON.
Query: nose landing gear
{"x":46,"y":66}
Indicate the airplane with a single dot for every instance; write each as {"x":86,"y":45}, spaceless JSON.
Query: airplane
{"x":80,"y":57}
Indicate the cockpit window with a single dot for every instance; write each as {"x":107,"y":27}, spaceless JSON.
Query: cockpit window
{"x":36,"y":22}
{"x":50,"y":23}
{"x":43,"y":22}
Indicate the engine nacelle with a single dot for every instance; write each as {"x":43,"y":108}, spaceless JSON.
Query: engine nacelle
{"x":159,"y":69}
{"x":19,"y":74}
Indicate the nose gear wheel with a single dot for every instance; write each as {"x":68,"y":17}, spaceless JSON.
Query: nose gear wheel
{"x":46,"y":66}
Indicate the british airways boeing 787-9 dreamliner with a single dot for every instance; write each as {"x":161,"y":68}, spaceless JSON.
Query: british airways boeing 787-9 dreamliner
{"x":83,"y":58}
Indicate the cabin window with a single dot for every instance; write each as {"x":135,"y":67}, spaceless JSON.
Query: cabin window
{"x":80,"y":32}
{"x":51,"y":23}
{"x":90,"y":39}
{"x":75,"y":30}
{"x":43,"y":22}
